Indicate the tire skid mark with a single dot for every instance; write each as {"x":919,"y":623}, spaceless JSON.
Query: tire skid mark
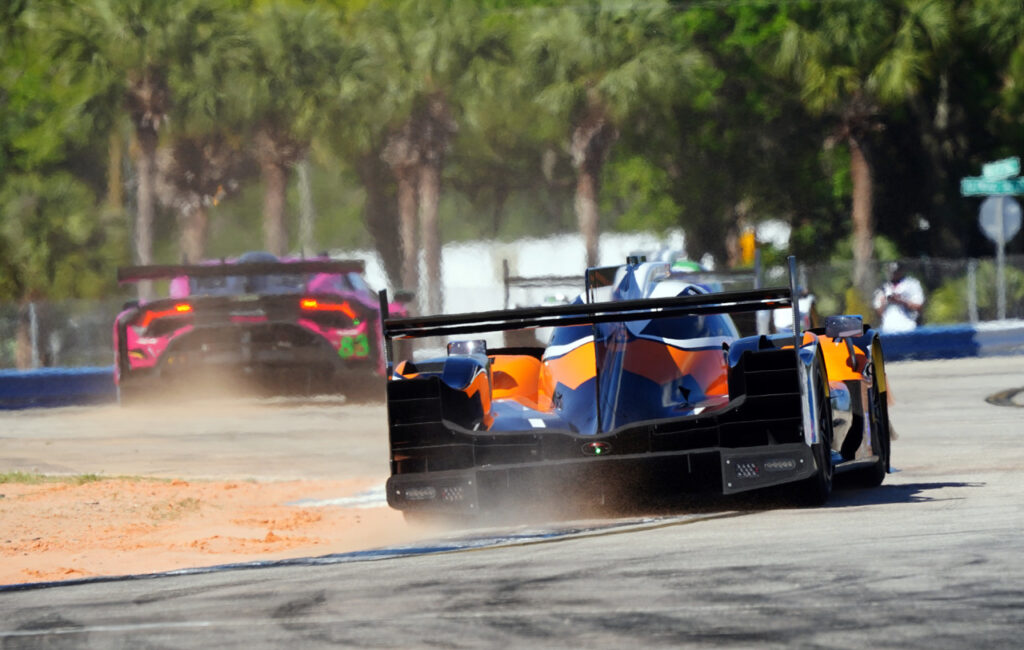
{"x":1007,"y":398}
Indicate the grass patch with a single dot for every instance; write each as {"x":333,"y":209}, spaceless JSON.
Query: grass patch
{"x":30,"y":478}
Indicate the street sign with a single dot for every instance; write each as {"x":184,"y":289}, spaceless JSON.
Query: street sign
{"x":989,"y":218}
{"x":1001,"y":169}
{"x":978,"y":186}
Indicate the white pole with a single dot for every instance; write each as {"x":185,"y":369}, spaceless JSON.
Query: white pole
{"x":33,"y":329}
{"x":1000,"y":263}
{"x":972,"y":290}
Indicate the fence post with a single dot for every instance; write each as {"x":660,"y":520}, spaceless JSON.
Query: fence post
{"x":33,"y":333}
{"x":972,"y":290}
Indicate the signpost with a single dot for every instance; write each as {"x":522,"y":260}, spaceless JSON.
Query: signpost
{"x":1000,"y":215}
{"x":1000,"y":221}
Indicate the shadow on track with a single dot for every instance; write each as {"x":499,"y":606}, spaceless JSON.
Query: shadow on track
{"x":888,"y":494}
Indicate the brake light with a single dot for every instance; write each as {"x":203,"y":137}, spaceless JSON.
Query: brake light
{"x":312,"y":304}
{"x":177,"y":310}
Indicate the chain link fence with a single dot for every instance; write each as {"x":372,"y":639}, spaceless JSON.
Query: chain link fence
{"x":956,"y":291}
{"x":77,"y":333}
{"x":68,"y":333}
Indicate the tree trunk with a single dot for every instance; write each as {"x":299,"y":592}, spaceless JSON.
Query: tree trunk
{"x":586,"y":214}
{"x":863,"y":222}
{"x":145,"y":204}
{"x":26,"y":354}
{"x":592,"y":139}
{"x":403,"y":158}
{"x":407,"y":207}
{"x":381,"y":217}
{"x":115,"y":182}
{"x":429,"y":195}
{"x":194,"y":229}
{"x":275,"y":184}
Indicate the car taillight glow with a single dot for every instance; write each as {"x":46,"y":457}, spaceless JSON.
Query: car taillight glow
{"x":312,"y":304}
{"x":177,"y":310}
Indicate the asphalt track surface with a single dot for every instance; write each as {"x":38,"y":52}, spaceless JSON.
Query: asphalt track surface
{"x":934,"y":558}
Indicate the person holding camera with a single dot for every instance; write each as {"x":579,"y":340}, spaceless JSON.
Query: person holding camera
{"x":899,"y":301}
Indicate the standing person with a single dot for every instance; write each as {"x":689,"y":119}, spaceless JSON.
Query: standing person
{"x":899,"y":301}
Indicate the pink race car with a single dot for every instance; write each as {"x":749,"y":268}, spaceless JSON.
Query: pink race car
{"x":257,"y":322}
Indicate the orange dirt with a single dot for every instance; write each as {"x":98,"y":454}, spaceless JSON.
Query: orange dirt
{"x":61,"y":531}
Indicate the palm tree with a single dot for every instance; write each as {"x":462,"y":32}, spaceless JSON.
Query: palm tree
{"x":128,"y":47}
{"x":599,"y":68}
{"x":852,"y":61}
{"x":437,"y":56}
{"x":195,"y":173}
{"x":297,"y":64}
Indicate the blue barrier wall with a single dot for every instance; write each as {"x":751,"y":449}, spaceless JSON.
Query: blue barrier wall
{"x":931,"y":342}
{"x":56,"y":387}
{"x":70,"y":386}
{"x":955,"y":341}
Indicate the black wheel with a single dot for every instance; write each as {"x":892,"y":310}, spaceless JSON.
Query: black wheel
{"x":880,"y":440}
{"x":815,"y":491}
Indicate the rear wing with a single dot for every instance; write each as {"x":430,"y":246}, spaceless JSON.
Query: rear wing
{"x":726,"y":302}
{"x":604,"y":312}
{"x":225,"y":269}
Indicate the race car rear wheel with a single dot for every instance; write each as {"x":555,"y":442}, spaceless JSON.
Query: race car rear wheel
{"x":815,"y":491}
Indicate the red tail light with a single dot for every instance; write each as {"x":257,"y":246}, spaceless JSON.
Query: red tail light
{"x":312,"y":304}
{"x":179,"y":309}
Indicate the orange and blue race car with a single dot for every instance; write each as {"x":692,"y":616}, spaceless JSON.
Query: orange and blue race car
{"x":644,"y":389}
{"x":256,"y":323}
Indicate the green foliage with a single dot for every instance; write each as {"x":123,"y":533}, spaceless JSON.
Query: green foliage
{"x":949,"y":303}
{"x":723,"y":112}
{"x":608,"y":54}
{"x":55,"y":245}
{"x":857,"y":54}
{"x":636,"y":196}
{"x":293,"y":67}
